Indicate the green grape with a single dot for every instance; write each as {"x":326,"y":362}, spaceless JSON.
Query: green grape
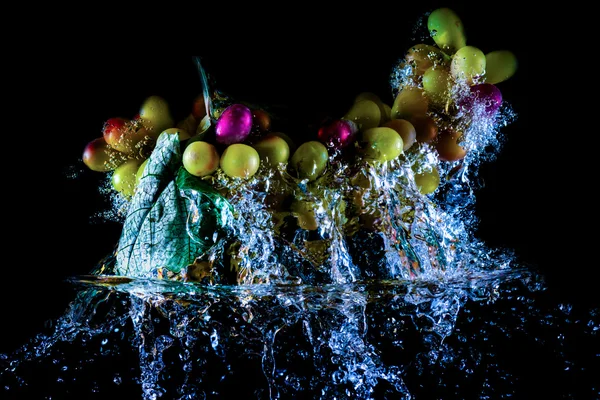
{"x":499,"y":66}
{"x":423,"y":56}
{"x":140,"y":172}
{"x":124,"y":177}
{"x":384,"y":109}
{"x":155,"y":115}
{"x":382,"y":144}
{"x":468,"y":64}
{"x":287,"y":139}
{"x":405,"y":129}
{"x":436,"y":84}
{"x":387,"y":113}
{"x":410,"y":102}
{"x":428,"y":181}
{"x":310,"y":160}
{"x":304,"y":212}
{"x":272,"y":150}
{"x":239,"y":161}
{"x":200,"y":158}
{"x":446,"y":29}
{"x":365,"y":114}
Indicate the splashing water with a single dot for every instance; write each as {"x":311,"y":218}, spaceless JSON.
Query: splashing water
{"x":335,"y":312}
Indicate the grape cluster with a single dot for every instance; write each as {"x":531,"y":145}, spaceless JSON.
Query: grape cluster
{"x":443,"y":79}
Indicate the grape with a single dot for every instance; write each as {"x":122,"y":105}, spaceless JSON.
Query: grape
{"x":234,"y":125}
{"x":309,"y":160}
{"x":486,"y":94}
{"x":100,"y":157}
{"x":183,"y":134}
{"x":200,"y":158}
{"x":155,"y":115}
{"x":304,"y":213}
{"x":383,"y":108}
{"x":124,"y":177}
{"x":338,"y":133}
{"x":446,"y":29}
{"x":382,"y":144}
{"x":448,"y":148}
{"x":405,"y":129}
{"x":365,"y":114}
{"x":387,"y":113}
{"x":140,"y":172}
{"x":436,"y":84}
{"x":468,"y":64}
{"x":123,"y":135}
{"x":272,"y":150}
{"x":287,"y":139}
{"x":423,"y":56}
{"x":410,"y":102}
{"x":261,"y":120}
{"x":189,"y":124}
{"x":240,"y":161}
{"x":428,"y":181}
{"x":425,"y":127}
{"x":500,"y":65}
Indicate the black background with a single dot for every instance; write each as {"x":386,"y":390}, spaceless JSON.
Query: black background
{"x":536,"y":195}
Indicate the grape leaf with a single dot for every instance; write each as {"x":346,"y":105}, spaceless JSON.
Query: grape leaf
{"x":173,"y":217}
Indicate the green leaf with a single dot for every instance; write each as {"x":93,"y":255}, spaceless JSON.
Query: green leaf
{"x":173,"y":217}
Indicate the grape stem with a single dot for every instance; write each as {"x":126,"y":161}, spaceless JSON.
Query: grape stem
{"x":205,"y":87}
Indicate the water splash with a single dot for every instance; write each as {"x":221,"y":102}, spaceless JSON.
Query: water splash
{"x":366,"y":290}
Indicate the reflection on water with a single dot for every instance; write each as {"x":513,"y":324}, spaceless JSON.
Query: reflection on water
{"x":471,"y":337}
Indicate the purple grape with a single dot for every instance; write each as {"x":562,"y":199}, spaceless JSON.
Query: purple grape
{"x":488,"y":95}
{"x":234,"y":124}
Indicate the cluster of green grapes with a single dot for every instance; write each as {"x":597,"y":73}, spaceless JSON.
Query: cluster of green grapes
{"x":445,"y":79}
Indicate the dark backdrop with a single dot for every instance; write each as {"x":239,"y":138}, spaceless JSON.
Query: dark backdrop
{"x":534,"y":199}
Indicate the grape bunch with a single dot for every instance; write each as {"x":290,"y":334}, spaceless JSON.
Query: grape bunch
{"x":126,"y":144}
{"x":443,"y":80}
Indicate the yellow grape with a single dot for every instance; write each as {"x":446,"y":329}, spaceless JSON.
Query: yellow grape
{"x":304,"y":214}
{"x":365,"y":114}
{"x":155,"y":115}
{"x":423,"y":56}
{"x":468,"y":64}
{"x":200,"y":158}
{"x":124,"y":178}
{"x":410,"y":102}
{"x":310,"y":160}
{"x":499,"y":66}
{"x":383,"y":108}
{"x":382,"y":143}
{"x":437,"y":83}
{"x":428,"y":181}
{"x":272,"y":150}
{"x":446,"y":29}
{"x":239,"y":160}
{"x":405,"y":129}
